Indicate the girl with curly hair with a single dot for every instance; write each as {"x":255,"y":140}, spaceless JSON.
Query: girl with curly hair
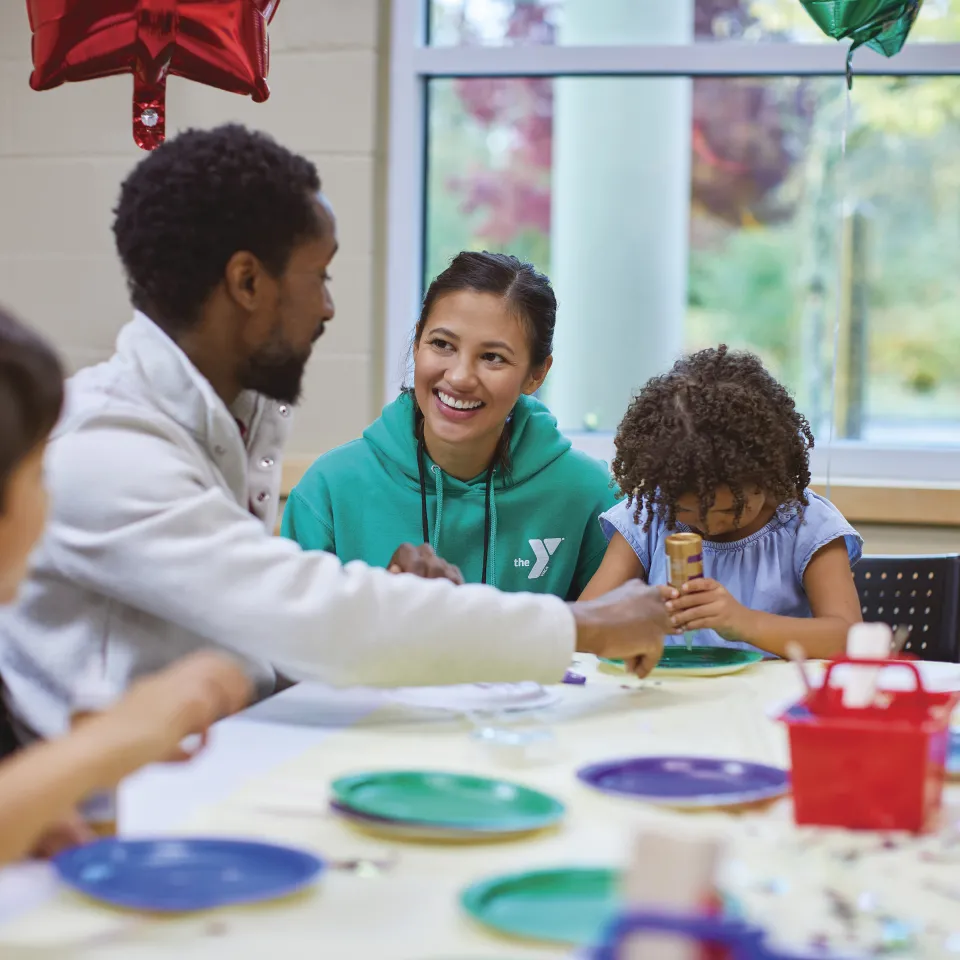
{"x":717,"y":447}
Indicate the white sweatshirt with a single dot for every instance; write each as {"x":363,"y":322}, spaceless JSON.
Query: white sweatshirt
{"x":160,"y":542}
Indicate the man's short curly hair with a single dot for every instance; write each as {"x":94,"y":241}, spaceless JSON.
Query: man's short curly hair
{"x":718,"y":418}
{"x":197,"y":200}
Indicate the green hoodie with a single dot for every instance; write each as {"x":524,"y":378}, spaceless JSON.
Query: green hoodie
{"x":362,"y":500}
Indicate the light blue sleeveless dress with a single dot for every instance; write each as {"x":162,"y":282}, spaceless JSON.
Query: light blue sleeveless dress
{"x":763,"y":571}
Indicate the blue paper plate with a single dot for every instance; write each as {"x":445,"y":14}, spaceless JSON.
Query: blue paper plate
{"x":688,"y":781}
{"x":176,"y":875}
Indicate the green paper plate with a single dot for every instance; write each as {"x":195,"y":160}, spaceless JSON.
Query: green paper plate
{"x":447,"y":800}
{"x":701,"y":661}
{"x":569,"y":905}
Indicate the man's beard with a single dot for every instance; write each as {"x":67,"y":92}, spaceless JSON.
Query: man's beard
{"x":276,"y":371}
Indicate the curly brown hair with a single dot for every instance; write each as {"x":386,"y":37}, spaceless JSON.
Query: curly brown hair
{"x":718,"y":418}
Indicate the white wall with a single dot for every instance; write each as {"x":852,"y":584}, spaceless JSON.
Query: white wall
{"x":64,"y":152}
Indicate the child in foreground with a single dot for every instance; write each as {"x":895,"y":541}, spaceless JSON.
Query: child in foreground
{"x":717,"y":447}
{"x":41,"y":785}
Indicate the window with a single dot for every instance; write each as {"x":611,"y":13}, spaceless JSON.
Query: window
{"x":679,"y":176}
{"x":507,"y":22}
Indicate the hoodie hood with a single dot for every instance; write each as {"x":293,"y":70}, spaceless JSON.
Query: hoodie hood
{"x":535,"y":441}
{"x":532,"y":528}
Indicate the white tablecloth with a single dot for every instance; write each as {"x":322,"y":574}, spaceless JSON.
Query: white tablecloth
{"x":269,"y":780}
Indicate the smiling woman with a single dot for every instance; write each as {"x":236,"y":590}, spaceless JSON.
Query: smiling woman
{"x":467,"y":460}
{"x":484,"y":339}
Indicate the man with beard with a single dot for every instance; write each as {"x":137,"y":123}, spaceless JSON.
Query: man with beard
{"x":164,"y":476}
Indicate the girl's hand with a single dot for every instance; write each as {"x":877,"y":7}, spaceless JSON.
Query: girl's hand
{"x":669,"y":593}
{"x":184,"y":700}
{"x":69,"y":832}
{"x":705,"y":604}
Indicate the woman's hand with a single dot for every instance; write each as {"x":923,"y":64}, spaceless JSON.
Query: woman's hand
{"x":705,"y":604}
{"x":421,"y":561}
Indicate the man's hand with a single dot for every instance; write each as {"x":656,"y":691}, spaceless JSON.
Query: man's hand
{"x":421,"y":561}
{"x":626,"y":624}
{"x":706,"y":605}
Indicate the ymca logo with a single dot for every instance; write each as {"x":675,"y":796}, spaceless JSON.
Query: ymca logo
{"x":543,"y":550}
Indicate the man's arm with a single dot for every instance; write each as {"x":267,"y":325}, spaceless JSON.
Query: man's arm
{"x":136,"y":520}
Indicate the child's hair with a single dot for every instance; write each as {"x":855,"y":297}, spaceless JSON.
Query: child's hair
{"x":716,"y":419}
{"x":31,"y":394}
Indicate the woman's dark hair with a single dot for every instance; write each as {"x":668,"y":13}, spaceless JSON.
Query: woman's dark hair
{"x":718,"y":418}
{"x":527,"y":292}
{"x":31,"y":394}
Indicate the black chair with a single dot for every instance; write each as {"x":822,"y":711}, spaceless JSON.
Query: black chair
{"x":919,"y":593}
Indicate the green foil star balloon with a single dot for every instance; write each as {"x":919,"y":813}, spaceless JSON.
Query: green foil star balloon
{"x":882,"y":25}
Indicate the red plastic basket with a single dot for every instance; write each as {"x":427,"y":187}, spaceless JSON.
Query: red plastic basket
{"x":876,"y":768}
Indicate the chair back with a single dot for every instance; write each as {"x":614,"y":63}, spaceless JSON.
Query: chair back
{"x":921,"y":593}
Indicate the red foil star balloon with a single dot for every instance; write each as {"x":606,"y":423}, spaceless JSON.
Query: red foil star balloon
{"x":222,"y":43}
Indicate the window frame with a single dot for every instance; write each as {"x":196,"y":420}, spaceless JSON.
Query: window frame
{"x":413,"y":63}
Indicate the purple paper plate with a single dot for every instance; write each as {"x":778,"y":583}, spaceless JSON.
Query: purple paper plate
{"x":688,"y":781}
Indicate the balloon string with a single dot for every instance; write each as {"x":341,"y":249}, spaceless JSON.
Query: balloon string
{"x":838,"y":313}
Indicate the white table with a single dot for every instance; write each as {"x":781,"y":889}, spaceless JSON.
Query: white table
{"x":269,"y":780}
{"x":161,"y":798}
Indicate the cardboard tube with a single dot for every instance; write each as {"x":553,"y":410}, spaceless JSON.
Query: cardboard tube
{"x":677,"y":875}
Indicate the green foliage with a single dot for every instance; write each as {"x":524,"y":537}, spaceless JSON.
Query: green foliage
{"x":750,"y":285}
{"x":747,"y":286}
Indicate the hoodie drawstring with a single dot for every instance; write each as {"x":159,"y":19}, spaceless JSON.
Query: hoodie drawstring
{"x":489,"y":513}
{"x":438,"y":487}
{"x":486,"y":520}
{"x":490,"y":533}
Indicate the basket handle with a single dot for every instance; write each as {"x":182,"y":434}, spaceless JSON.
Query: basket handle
{"x":744,"y":940}
{"x":908,"y":664}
